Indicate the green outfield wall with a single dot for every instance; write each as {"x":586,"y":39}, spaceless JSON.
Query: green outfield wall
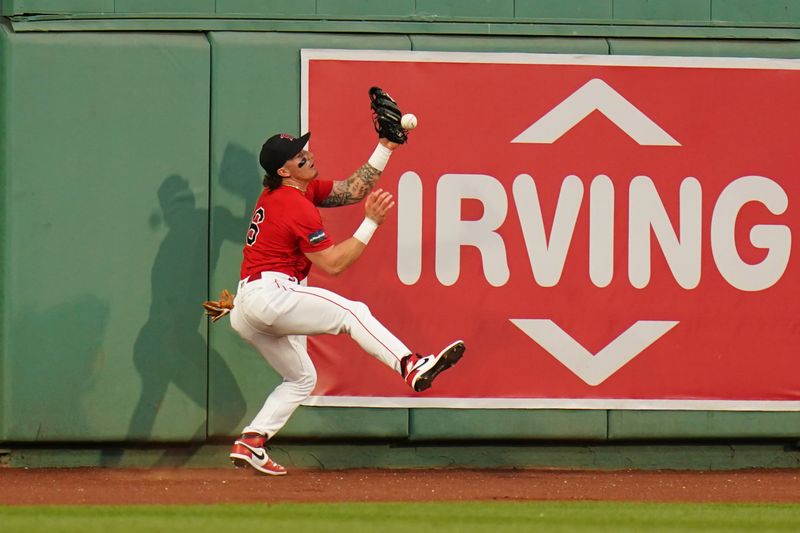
{"x":128,"y":170}
{"x":770,"y":12}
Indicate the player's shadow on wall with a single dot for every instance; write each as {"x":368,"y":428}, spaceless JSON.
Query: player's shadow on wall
{"x":239,"y":174}
{"x":169,"y":349}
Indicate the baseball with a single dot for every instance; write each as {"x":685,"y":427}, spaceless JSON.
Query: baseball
{"x":408,"y":121}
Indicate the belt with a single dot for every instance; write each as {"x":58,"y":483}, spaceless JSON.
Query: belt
{"x":269,"y":274}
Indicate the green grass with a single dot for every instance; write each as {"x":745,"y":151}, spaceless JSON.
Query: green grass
{"x":439,"y":517}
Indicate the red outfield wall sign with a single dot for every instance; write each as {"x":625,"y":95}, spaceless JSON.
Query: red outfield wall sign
{"x":603,"y":232}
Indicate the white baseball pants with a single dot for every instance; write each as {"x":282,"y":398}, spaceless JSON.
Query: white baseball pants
{"x":275,"y":313}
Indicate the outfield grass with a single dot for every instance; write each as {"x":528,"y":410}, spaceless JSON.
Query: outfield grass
{"x":439,"y":517}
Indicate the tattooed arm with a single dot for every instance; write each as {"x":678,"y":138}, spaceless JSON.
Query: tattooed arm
{"x":354,"y":188}
{"x":357,"y":186}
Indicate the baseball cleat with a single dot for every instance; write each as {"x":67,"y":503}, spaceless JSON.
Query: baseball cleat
{"x":249,"y":450}
{"x":419,"y":372}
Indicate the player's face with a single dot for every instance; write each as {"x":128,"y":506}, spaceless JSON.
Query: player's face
{"x":301,"y":166}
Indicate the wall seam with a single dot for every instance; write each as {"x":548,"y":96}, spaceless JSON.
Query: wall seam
{"x":5,"y":68}
{"x":209,"y":210}
{"x":409,"y":411}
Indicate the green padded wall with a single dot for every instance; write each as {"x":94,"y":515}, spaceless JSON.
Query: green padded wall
{"x":106,"y":193}
{"x":164,"y":6}
{"x":57,"y":6}
{"x":683,"y":10}
{"x":466,"y":8}
{"x":539,"y":45}
{"x":359,"y":8}
{"x":255,"y":93}
{"x":628,"y":425}
{"x":116,"y":216}
{"x":763,"y":11}
{"x":507,"y":424}
{"x":771,"y":12}
{"x":565,"y":9}
{"x":267,"y":7}
{"x":705,"y":48}
{"x":5,"y":57}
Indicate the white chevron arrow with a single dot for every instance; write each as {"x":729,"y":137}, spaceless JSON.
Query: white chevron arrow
{"x":596,"y":95}
{"x":594,"y":369}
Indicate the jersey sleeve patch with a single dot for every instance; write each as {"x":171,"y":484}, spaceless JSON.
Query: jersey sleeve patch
{"x":317,"y":237}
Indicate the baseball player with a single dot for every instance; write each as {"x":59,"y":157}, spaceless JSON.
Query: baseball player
{"x":274,"y":312}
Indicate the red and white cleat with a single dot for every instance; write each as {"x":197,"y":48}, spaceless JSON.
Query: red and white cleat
{"x":249,"y":450}
{"x":420,"y":371}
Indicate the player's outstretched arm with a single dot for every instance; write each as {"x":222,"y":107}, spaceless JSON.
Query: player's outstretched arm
{"x":335,"y":259}
{"x":388,"y":121}
{"x":354,"y":188}
{"x":361,"y":182}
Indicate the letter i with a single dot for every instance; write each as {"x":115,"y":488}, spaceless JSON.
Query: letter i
{"x":409,"y":228}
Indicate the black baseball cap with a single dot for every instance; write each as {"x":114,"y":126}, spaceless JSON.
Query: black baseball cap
{"x":280,"y":148}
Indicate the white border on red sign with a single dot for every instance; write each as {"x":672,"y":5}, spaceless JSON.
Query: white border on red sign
{"x":307,"y":55}
{"x":553,"y":403}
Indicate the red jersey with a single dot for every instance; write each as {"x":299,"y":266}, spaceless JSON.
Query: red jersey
{"x":285,"y":224}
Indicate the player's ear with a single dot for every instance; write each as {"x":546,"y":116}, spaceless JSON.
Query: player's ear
{"x":283,"y":172}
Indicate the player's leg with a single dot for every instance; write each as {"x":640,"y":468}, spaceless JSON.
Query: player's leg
{"x":288,"y":357}
{"x":317,"y":311}
{"x":279,"y":306}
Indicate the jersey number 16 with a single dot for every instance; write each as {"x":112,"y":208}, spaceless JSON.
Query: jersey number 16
{"x":252,"y":232}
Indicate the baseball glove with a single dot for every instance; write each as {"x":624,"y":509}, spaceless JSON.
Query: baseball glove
{"x":217,"y":309}
{"x":386,"y":116}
